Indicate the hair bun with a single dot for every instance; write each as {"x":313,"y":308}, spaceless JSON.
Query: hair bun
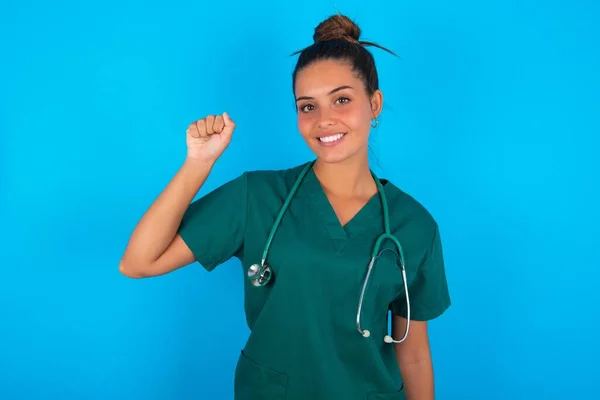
{"x":337,"y":27}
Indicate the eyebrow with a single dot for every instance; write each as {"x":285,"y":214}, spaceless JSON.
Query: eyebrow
{"x":330,"y":93}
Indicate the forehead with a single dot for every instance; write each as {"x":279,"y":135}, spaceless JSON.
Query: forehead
{"x":321,"y":77}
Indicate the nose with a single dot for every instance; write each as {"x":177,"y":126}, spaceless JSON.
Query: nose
{"x":325,"y":119}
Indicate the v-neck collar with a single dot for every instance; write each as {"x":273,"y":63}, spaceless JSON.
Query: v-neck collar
{"x":366,"y":217}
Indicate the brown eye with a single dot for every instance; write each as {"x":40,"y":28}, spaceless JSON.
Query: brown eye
{"x":307,"y":108}
{"x":343,"y":100}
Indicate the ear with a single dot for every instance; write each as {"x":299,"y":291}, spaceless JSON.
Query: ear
{"x":376,"y":103}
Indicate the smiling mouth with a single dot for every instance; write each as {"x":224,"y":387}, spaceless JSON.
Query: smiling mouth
{"x":331,"y":139}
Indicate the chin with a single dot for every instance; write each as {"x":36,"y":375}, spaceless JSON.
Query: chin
{"x":330,"y":158}
{"x":335,"y":156}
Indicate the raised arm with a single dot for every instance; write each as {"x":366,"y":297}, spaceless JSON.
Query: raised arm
{"x":154,"y":247}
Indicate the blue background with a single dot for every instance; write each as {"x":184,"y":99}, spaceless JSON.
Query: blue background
{"x":491,"y":120}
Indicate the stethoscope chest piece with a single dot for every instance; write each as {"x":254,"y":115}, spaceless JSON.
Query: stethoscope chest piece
{"x":259,"y":275}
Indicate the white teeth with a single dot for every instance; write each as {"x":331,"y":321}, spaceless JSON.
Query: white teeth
{"x":332,"y":138}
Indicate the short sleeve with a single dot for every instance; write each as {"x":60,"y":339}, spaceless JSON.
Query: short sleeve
{"x":428,"y":294}
{"x":214,"y":226}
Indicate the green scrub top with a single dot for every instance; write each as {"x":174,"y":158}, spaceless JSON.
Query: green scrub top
{"x":304,"y":343}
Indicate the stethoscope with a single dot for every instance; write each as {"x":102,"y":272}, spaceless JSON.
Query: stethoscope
{"x":261,"y":274}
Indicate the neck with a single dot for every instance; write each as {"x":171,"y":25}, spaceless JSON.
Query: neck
{"x":349,"y":178}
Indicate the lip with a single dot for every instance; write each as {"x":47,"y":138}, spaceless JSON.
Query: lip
{"x":331,"y":144}
{"x":329,"y":134}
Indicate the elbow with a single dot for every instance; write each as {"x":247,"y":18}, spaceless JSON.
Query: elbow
{"x":131,"y":270}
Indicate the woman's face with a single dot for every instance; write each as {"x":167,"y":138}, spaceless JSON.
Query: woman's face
{"x":334,"y":110}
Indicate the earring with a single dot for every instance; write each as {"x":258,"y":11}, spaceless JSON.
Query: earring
{"x":376,"y":122}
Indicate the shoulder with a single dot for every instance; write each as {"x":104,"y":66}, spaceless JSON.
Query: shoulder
{"x":254,"y":185}
{"x":410,"y":216}
{"x":272,"y":180}
{"x":406,"y":206}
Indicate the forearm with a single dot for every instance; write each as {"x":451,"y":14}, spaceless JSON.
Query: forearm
{"x":158,"y":226}
{"x":418,"y":379}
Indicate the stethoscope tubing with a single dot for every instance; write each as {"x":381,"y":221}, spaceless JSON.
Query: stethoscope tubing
{"x":261,"y":274}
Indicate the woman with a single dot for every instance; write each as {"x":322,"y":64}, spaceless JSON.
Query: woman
{"x":305,"y":341}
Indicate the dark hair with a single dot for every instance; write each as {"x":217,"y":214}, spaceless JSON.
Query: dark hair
{"x":338,"y":38}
